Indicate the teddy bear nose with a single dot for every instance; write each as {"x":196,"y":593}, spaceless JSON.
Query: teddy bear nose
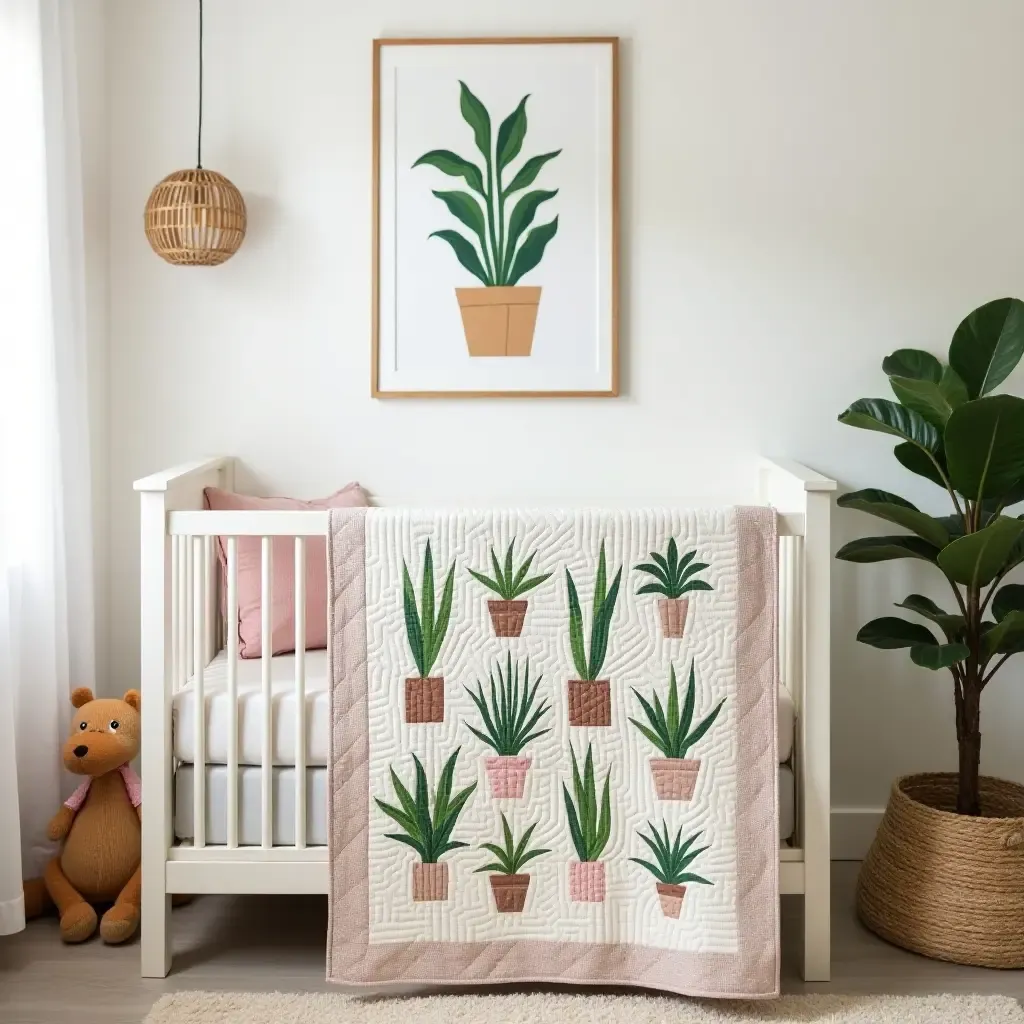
{"x":81,"y":751}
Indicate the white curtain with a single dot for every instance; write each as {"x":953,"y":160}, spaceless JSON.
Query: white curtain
{"x":47,"y":621}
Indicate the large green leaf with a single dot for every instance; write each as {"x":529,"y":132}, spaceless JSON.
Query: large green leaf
{"x":466,"y":209}
{"x":952,"y":625}
{"x":984,"y":444}
{"x":884,"y":549}
{"x":988,"y":344}
{"x":475,"y":115}
{"x":923,"y":463}
{"x":465,"y":254}
{"x":511,"y":134}
{"x":579,"y":654}
{"x":1009,"y":598}
{"x":455,"y":166}
{"x":601,"y":628}
{"x":895,"y":509}
{"x":891,"y":632}
{"x":976,"y":560}
{"x":888,"y":417}
{"x":936,"y":656}
{"x":527,"y":174}
{"x":1006,"y":636}
{"x":935,"y":401}
{"x":914,"y":363}
{"x":532,"y":249}
{"x":522,"y":217}
{"x":413,"y":628}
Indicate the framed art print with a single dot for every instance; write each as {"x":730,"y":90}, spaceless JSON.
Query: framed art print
{"x":495,"y":217}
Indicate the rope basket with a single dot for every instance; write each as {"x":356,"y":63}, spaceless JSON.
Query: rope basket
{"x":195,"y":218}
{"x":948,"y":885}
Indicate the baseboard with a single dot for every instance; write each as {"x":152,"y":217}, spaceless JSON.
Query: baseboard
{"x":853,"y":829}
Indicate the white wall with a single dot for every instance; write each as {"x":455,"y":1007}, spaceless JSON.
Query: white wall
{"x":806,"y":186}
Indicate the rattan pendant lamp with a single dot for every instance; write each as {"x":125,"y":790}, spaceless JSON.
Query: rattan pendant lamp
{"x":196,"y":217}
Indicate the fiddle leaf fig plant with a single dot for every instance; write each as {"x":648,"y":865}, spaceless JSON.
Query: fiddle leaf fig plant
{"x":955,"y":432}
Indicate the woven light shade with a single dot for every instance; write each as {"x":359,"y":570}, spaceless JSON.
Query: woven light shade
{"x":195,"y":218}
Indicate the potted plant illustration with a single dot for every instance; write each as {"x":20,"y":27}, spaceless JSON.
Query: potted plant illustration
{"x":671,"y":730}
{"x":673,"y":577}
{"x":508,"y":725}
{"x":424,"y":694}
{"x":508,"y":884}
{"x":672,"y":858}
{"x":953,"y":431}
{"x":590,"y":698}
{"x":590,"y":831}
{"x":498,"y":318}
{"x":508,"y":614}
{"x":428,"y":831}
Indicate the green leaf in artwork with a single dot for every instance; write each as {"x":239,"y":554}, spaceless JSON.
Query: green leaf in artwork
{"x":531,"y":251}
{"x":511,"y":134}
{"x":891,"y":632}
{"x":466,"y":209}
{"x":527,"y":174}
{"x":475,"y":115}
{"x":464,"y":252}
{"x":454,"y":165}
{"x":522,"y":217}
{"x":984,"y":443}
{"x":895,"y":509}
{"x":988,"y":344}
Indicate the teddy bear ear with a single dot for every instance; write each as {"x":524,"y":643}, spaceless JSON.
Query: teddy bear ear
{"x":81,"y":695}
{"x":132,"y":699}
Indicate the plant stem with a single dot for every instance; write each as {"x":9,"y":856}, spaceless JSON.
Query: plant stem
{"x":995,"y":668}
{"x":496,"y":274}
{"x":969,"y":715}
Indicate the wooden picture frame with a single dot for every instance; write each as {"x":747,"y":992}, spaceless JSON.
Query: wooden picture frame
{"x":503,"y":317}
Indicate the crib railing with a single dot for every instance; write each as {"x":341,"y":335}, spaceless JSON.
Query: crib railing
{"x":198,"y":629}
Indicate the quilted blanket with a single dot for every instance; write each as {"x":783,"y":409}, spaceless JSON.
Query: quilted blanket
{"x":554,"y":748}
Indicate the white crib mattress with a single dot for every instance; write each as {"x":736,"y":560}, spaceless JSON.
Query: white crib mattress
{"x":318,"y":712}
{"x":283,"y":790}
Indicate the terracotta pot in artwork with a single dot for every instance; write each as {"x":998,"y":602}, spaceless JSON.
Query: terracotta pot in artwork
{"x":510,"y":892}
{"x":586,"y":881}
{"x":507,"y":776}
{"x":590,"y":703}
{"x":671,"y":898}
{"x":429,"y":882}
{"x":424,"y":700}
{"x":674,"y":777}
{"x":499,"y":321}
{"x":673,"y":616}
{"x":507,"y":617}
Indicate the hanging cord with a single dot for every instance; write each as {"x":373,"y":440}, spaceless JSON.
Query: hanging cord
{"x":199,"y":140}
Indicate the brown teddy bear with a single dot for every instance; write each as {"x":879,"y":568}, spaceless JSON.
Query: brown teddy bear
{"x":100,"y":858}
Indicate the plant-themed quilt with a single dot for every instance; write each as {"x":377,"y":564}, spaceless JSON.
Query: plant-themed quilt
{"x":553,"y":755}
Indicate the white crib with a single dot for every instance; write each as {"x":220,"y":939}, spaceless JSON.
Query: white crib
{"x":185,"y":656}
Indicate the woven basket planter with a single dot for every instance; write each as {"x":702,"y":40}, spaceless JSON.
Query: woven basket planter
{"x":947,"y":885}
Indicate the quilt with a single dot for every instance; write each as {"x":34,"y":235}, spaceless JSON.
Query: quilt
{"x":554,"y":748}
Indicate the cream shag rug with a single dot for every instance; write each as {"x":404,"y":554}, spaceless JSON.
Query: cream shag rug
{"x":541,"y":1008}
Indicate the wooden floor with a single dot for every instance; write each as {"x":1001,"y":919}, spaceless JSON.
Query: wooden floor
{"x":277,"y":943}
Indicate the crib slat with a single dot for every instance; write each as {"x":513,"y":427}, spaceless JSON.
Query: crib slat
{"x":189,"y":602}
{"x":184,"y":623}
{"x":175,"y":625}
{"x":267,"y":758}
{"x":300,"y":693}
{"x":231,"y":645}
{"x":199,"y":705}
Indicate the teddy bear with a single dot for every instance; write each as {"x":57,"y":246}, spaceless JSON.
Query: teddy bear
{"x":99,"y":825}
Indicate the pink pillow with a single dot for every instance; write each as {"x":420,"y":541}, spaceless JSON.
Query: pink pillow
{"x":282,"y":584}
